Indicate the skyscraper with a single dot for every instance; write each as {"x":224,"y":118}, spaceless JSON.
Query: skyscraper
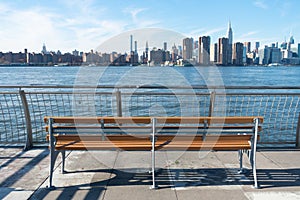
{"x":131,"y":41}
{"x":44,"y":50}
{"x":145,"y":57}
{"x":256,"y":47}
{"x":187,"y":52}
{"x":135,"y":47}
{"x":223,"y":51}
{"x":147,"y":51}
{"x":247,"y":45}
{"x":204,"y":50}
{"x":230,"y":42}
{"x":133,"y":54}
{"x":216,"y":53}
{"x":175,"y":53}
{"x":165,"y":46}
{"x":238,"y":53}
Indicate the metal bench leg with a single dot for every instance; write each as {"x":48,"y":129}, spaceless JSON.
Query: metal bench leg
{"x":254,"y":171}
{"x":253,"y":153}
{"x":53,"y":153}
{"x":153,"y":153}
{"x":241,"y":153}
{"x":153,"y":186}
{"x":53,"y":156}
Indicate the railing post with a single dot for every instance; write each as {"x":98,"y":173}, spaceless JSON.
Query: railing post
{"x":29,"y":143}
{"x":212,"y":102}
{"x":119,"y":103}
{"x":298,"y":133}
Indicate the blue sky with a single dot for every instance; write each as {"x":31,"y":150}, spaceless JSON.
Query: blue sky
{"x":85,"y":24}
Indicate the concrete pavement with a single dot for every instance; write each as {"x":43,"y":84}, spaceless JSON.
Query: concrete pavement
{"x":110,"y":175}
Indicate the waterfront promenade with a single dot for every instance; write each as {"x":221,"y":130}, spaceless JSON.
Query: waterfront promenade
{"x":124,"y":175}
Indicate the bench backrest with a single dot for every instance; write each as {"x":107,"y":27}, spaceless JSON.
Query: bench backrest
{"x":139,"y":125}
{"x":146,"y":133}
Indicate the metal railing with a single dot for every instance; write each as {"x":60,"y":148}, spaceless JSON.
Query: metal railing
{"x":22,"y":108}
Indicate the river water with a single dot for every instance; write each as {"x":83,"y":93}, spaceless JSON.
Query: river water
{"x":166,"y":76}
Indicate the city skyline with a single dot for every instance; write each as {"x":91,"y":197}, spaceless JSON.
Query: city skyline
{"x":84,"y":25}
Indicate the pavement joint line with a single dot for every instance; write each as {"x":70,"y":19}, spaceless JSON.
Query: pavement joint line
{"x":272,"y":161}
{"x":47,"y":178}
{"x":110,"y":176}
{"x":239,"y":186}
{"x":170,"y":176}
{"x":15,"y":156}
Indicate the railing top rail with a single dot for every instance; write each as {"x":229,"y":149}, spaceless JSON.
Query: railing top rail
{"x":228,"y":87}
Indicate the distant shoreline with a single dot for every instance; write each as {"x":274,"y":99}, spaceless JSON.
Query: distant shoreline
{"x":84,"y":65}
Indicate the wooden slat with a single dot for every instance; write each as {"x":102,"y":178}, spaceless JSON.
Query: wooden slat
{"x":181,"y":128}
{"x":147,"y":120}
{"x":141,"y":145}
{"x":96,"y":120}
{"x":210,"y":120}
{"x":165,"y":142}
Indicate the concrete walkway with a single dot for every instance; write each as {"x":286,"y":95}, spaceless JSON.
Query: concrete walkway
{"x":124,"y":175}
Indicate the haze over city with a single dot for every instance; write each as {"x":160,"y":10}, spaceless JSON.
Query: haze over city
{"x":83,"y":25}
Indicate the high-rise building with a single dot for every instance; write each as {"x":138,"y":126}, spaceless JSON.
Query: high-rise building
{"x":180,"y":50}
{"x":145,"y":58}
{"x":165,"y":46}
{"x":247,"y":45}
{"x":238,"y":49}
{"x":134,"y":57}
{"x":256,"y":47}
{"x":216,"y":52}
{"x":298,"y":49}
{"x":223,"y":51}
{"x":175,"y":53}
{"x":230,"y":42}
{"x":270,"y":55}
{"x":196,"y":44}
{"x":204,"y":50}
{"x":187,"y":52}
{"x":44,"y":50}
{"x":135,"y":47}
{"x":131,"y":41}
{"x":292,"y":41}
{"x":157,"y":56}
{"x":276,"y":55}
{"x":264,"y":56}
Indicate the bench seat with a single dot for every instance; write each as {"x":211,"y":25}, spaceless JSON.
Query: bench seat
{"x":142,"y":143}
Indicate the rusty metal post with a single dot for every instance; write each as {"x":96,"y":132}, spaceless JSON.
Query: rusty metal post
{"x":29,"y":142}
{"x":298,"y":133}
{"x":119,"y":103}
{"x":212,"y":102}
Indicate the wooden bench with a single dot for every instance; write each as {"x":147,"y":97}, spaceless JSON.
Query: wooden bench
{"x":152,"y":134}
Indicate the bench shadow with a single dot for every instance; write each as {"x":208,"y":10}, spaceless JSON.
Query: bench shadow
{"x":69,"y":192}
{"x":179,"y":178}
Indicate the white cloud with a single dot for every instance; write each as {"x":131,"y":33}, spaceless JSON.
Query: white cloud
{"x":215,"y":31}
{"x":260,"y":4}
{"x":26,"y":29}
{"x":30,"y":28}
{"x":137,"y":20}
{"x":196,"y":33}
{"x":81,"y":25}
{"x":285,"y":8}
{"x":250,"y":36}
